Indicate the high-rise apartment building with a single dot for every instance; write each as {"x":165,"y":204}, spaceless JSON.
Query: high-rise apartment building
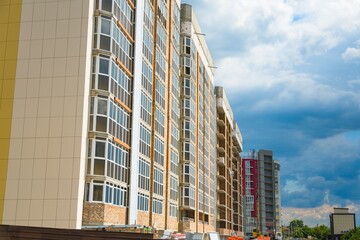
{"x":261,"y":192}
{"x":133,"y":129}
{"x":229,"y":147}
{"x":267,"y":204}
{"x":250,"y":193}
{"x":198,"y":124}
{"x":46,"y":56}
{"x":89,"y":112}
{"x":108,"y":116}
{"x":277,"y":196}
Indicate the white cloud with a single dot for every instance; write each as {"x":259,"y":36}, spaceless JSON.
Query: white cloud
{"x":313,"y":216}
{"x":351,"y":53}
{"x":262,"y":38}
{"x":292,"y":186}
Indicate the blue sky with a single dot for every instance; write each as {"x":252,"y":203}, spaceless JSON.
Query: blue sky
{"x":291,"y":71}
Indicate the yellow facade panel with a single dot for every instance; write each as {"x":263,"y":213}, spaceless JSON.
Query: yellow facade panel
{"x":10,"y":72}
{"x":3,"y":30}
{"x":7,"y":89}
{"x":11,"y":50}
{"x":4,"y":13}
{"x":2,"y":66}
{"x":15,"y":13}
{"x":13,"y":31}
{"x":2,"y":52}
{"x":10,"y":15}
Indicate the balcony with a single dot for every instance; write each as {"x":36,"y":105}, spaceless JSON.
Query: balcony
{"x":221,"y":161}
{"x":220,"y":122}
{"x":220,"y":177}
{"x":237,"y":137}
{"x":220,"y":148}
{"x":220,"y":135}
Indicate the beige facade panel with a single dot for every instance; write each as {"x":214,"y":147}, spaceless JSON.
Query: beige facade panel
{"x":49,"y":119}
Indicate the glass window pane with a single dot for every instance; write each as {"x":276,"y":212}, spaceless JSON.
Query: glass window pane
{"x":98,"y":193}
{"x":102,"y":107}
{"x":101,"y":124}
{"x":105,"y":42}
{"x":104,"y":66}
{"x":100,"y":149}
{"x":99,"y":167}
{"x":107,"y":5}
{"x":103,"y":82}
{"x":105,"y":26}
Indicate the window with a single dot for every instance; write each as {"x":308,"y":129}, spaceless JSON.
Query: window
{"x":160,"y":64}
{"x":118,"y":162}
{"x":107,"y":192}
{"x":189,"y":130}
{"x":173,"y":188}
{"x":159,"y":151}
{"x":159,"y":122}
{"x":144,"y":141}
{"x":174,"y":162}
{"x":160,"y":94}
{"x":189,"y":174}
{"x":174,"y":136}
{"x":106,"y":5}
{"x":97,"y":192}
{"x":115,"y":194}
{"x":120,"y":84}
{"x":173,"y":210}
{"x":144,"y":174}
{"x":188,"y":196}
{"x":188,"y":152}
{"x":143,"y":202}
{"x":108,"y":159}
{"x":157,"y":206}
{"x":158,"y":181}
{"x":146,"y":104}
{"x":146,"y":80}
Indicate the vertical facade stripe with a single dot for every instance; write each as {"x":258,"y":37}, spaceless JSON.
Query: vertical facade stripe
{"x":10,"y":12}
{"x":135,"y":138}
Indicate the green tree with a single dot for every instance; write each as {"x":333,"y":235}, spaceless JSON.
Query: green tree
{"x":298,"y":233}
{"x":296,"y":223}
{"x":320,"y":232}
{"x":295,"y":228}
{"x":307,"y":231}
{"x":352,"y":235}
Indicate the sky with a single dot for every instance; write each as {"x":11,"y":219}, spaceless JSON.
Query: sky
{"x":291,"y":72}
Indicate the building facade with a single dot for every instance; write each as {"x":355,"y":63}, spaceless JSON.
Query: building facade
{"x":267,"y":204}
{"x":197,"y":145}
{"x":261,"y":185}
{"x":250,"y":193}
{"x":278,"y":225}
{"x":46,"y":52}
{"x":229,"y":174}
{"x":134,"y":113}
{"x":109,"y":116}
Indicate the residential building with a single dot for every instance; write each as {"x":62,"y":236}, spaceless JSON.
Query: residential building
{"x":250,"y":193}
{"x":261,"y":191}
{"x":266,"y":197}
{"x":89,"y":112}
{"x":229,"y":147}
{"x":198,"y":124}
{"x":277,"y":196}
{"x":46,"y":57}
{"x":108,"y":116}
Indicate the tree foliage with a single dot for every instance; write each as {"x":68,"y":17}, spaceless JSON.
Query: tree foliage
{"x":299,"y":230}
{"x":352,"y":235}
{"x":297,"y":223}
{"x":320,"y":232}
